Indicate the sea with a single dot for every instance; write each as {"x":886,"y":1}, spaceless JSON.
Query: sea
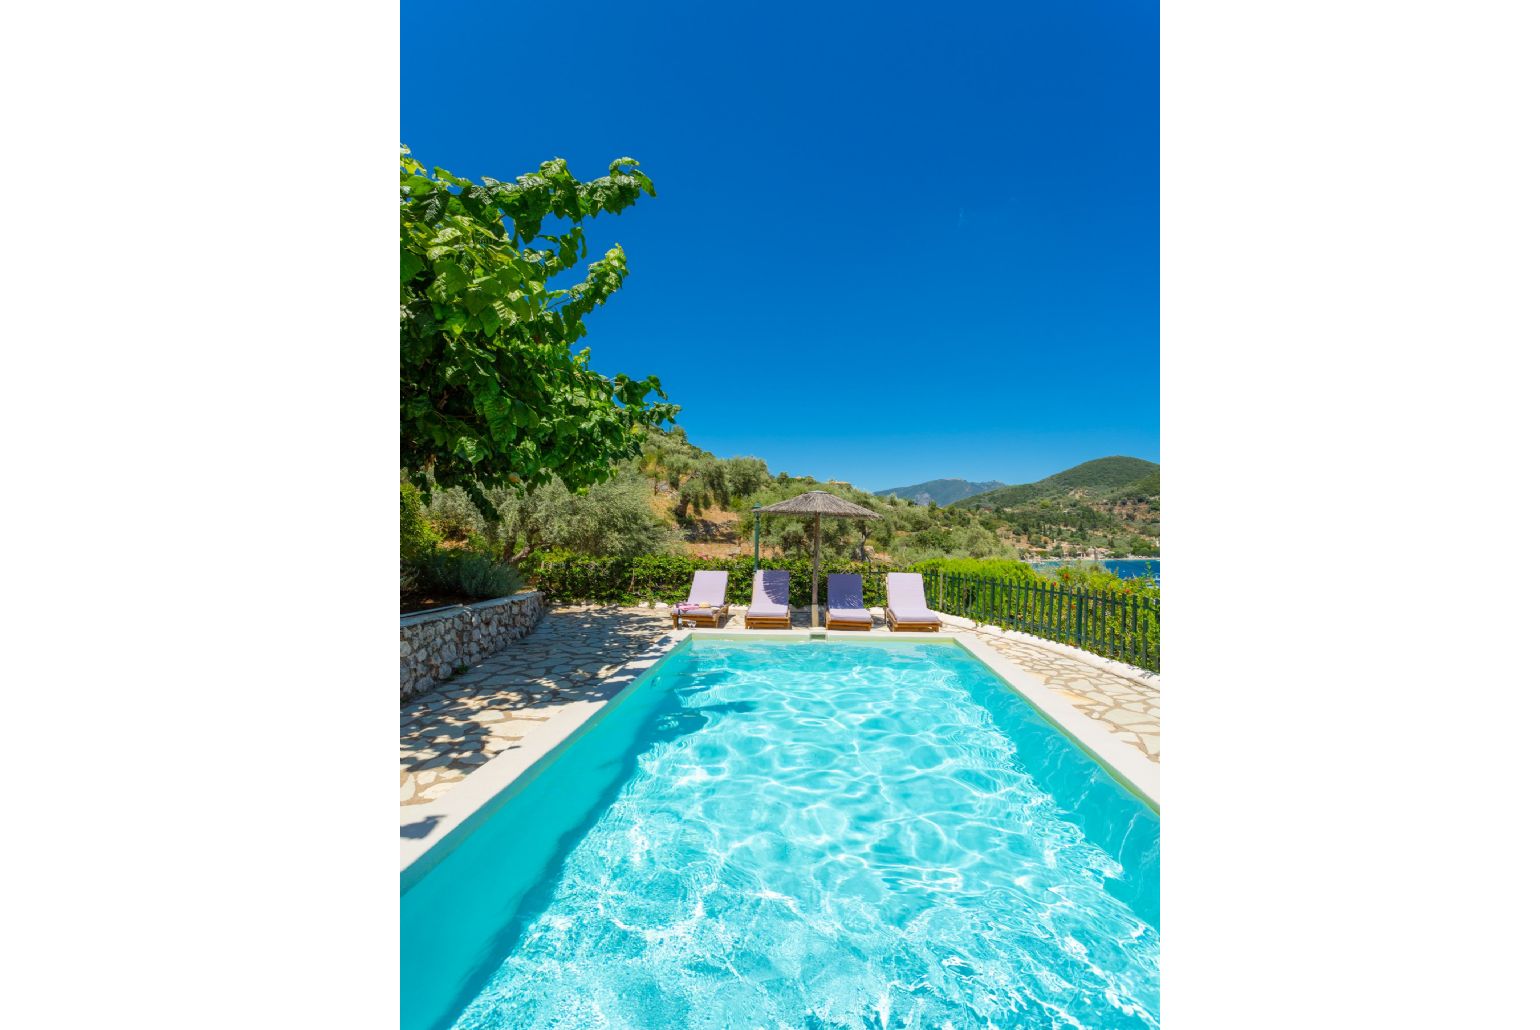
{"x":1127,"y":568}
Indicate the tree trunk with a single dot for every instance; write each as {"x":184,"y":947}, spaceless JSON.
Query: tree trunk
{"x":510,"y":557}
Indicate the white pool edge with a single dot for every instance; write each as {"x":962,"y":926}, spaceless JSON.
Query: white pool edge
{"x":471,"y":801}
{"x":1125,"y":762}
{"x":1143,"y":677}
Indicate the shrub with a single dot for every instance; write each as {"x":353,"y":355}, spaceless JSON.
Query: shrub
{"x":1083,"y":575}
{"x":667,"y":577}
{"x":613,"y":518}
{"x":454,"y":515}
{"x":1081,"y":604}
{"x":987,"y":568}
{"x":417,"y":536}
{"x":466,"y":573}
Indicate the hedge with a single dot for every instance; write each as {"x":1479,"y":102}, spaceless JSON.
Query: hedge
{"x":666,"y":577}
{"x":1088,"y":607}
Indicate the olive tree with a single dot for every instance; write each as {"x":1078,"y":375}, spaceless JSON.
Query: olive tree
{"x":611,"y":518}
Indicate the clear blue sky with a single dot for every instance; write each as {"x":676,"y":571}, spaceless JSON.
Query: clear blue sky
{"x":891,"y":242}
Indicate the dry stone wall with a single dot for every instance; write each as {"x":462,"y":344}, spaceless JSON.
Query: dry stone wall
{"x":434,"y":644}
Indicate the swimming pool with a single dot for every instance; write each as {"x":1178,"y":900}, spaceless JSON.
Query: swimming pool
{"x":798,"y":834}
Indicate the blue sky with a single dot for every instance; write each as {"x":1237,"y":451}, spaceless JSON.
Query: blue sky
{"x":891,"y":242}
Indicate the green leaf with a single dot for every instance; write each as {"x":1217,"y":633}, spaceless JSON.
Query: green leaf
{"x":490,"y":391}
{"x":434,"y":204}
{"x":411,"y":265}
{"x":448,"y":279}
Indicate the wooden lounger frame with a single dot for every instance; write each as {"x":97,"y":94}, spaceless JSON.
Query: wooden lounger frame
{"x":718,"y":619}
{"x":899,"y":626}
{"x":767,"y":621}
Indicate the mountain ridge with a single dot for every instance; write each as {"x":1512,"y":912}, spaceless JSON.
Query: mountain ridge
{"x":942,"y":491}
{"x":1110,"y":478}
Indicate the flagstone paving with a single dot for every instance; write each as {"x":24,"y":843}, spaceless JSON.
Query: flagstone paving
{"x":1128,"y":705}
{"x":448,"y":733}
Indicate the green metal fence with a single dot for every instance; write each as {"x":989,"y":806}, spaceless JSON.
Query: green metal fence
{"x":1125,"y":628}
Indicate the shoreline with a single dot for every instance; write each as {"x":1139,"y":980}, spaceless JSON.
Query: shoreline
{"x":1060,"y":561}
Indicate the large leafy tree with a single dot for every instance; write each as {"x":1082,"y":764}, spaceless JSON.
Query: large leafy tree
{"x":492,"y":393}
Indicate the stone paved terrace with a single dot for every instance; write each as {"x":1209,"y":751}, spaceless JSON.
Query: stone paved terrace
{"x":1130,"y":707}
{"x":448,"y":733}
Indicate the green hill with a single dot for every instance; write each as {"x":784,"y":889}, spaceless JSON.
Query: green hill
{"x":1101,"y":479}
{"x":1141,"y":489}
{"x":942,"y":491}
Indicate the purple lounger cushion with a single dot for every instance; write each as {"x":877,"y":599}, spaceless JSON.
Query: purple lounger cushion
{"x":906,"y":598}
{"x":708,"y":589}
{"x":845,"y":603}
{"x":772,"y":588}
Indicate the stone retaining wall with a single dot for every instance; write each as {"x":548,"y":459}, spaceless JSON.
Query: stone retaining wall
{"x":434,"y":644}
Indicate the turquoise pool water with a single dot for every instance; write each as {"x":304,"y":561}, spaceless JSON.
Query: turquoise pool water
{"x":799,"y":834}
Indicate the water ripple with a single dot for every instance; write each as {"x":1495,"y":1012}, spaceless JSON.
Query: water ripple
{"x":847,"y":837}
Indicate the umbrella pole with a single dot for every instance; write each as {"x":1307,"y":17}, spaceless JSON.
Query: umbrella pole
{"x":817,"y":539}
{"x":756,"y":539}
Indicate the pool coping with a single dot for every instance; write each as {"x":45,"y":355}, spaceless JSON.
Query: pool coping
{"x":1143,"y":677}
{"x":1122,"y":760}
{"x":471,"y":801}
{"x":459,"y":811}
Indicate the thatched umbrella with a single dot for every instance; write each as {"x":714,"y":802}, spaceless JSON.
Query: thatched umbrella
{"x":820,"y":504}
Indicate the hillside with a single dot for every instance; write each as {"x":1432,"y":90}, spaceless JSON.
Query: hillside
{"x":1101,"y":479}
{"x":1141,"y":489}
{"x":679,"y":496}
{"x":707,"y":503}
{"x":941,"y":492}
{"x":1103,"y":507}
{"x":1109,"y":507}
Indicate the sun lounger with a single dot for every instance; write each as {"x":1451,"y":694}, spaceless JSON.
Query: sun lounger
{"x":846,"y":608}
{"x":770,"y":607}
{"x":906,"y":608}
{"x":707,"y":603}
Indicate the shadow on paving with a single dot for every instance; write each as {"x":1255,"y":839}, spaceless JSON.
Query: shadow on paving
{"x":421,"y":828}
{"x":561,"y":661}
